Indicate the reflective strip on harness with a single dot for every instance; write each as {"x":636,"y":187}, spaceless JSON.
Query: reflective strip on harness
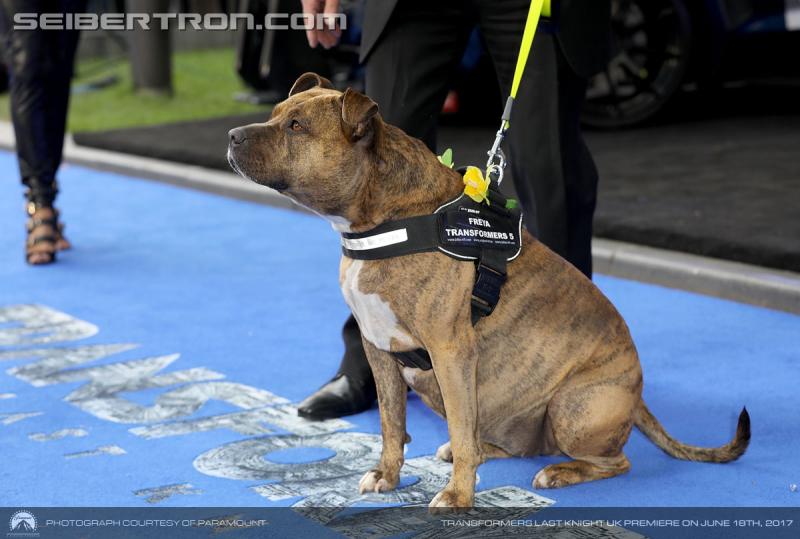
{"x":378,"y":240}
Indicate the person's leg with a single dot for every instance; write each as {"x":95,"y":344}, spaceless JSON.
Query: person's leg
{"x":31,"y":69}
{"x":580,"y":172}
{"x":63,"y":44}
{"x":553,"y":173}
{"x":351,"y":390}
{"x":409,"y":70}
{"x":30,"y":66}
{"x":40,"y":68}
{"x":407,"y":75}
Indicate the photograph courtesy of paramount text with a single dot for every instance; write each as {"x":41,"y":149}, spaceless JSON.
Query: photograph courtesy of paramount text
{"x":401,"y":269}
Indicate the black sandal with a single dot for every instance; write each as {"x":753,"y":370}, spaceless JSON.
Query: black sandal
{"x":43,"y":235}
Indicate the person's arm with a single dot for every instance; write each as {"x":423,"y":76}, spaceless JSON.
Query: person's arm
{"x":329,"y":36}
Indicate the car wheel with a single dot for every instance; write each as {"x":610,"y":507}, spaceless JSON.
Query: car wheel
{"x":651,"y":43}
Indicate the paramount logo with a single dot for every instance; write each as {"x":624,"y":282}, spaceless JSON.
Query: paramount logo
{"x":22,"y":524}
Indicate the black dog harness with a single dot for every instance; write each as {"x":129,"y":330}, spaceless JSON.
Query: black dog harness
{"x":490,"y":235}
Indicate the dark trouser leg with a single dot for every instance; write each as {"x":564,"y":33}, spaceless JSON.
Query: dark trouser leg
{"x":354,"y":362}
{"x":554,"y":174}
{"x":407,"y":76}
{"x":40,"y":66}
{"x":580,"y":172}
{"x":408,"y":71}
{"x":67,"y":45}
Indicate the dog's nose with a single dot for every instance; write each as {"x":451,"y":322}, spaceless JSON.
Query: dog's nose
{"x":237,"y":136}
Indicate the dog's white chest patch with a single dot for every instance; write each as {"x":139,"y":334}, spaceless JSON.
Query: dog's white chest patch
{"x":339,"y":224}
{"x":377,"y":321}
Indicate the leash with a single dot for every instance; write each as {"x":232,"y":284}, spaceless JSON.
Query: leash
{"x":497,"y":160}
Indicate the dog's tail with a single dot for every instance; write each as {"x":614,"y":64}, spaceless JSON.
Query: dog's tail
{"x":652,"y":428}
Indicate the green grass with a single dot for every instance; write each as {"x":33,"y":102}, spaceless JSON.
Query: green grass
{"x":204,"y":83}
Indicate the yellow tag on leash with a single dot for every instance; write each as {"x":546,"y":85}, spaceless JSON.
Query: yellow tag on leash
{"x":476,"y":186}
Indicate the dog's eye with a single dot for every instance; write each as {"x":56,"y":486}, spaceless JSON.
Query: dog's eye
{"x":295,"y":126}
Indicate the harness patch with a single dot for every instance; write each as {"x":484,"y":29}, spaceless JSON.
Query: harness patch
{"x":473,"y":227}
{"x":466,"y":228}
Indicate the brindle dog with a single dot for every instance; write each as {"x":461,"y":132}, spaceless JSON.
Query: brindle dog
{"x":552,"y":371}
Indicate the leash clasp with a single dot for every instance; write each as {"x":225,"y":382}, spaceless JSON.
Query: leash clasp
{"x":496,"y":164}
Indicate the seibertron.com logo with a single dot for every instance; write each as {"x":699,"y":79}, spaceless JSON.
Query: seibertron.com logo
{"x":22,"y":524}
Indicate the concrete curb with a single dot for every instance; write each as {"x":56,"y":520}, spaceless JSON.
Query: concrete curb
{"x":764,"y":287}
{"x":745,"y":283}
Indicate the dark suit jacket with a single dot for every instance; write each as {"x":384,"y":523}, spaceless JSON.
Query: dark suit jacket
{"x":582,"y":28}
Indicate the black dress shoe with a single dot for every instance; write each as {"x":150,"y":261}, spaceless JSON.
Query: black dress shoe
{"x":341,"y":396}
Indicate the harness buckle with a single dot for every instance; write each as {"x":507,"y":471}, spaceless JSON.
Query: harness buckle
{"x":486,"y":291}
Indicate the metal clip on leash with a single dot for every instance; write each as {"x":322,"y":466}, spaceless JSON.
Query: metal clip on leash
{"x":496,"y":164}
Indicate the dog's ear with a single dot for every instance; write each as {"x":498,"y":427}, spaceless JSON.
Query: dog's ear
{"x":306,"y":81}
{"x":358,"y":112}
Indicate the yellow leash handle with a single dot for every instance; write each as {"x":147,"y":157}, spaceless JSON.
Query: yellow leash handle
{"x":535,"y":12}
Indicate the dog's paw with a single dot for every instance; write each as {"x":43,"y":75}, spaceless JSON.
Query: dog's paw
{"x":541,"y":480}
{"x":450,"y":501}
{"x":552,"y":476}
{"x":445,"y":453}
{"x":373,"y":481}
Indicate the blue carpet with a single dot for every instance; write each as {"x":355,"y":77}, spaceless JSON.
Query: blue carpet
{"x":250,"y":294}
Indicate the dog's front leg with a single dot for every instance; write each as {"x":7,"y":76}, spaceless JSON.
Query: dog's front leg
{"x":392,"y":392}
{"x":455,"y":366}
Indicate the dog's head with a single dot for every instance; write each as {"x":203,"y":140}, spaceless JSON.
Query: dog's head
{"x":312,"y":147}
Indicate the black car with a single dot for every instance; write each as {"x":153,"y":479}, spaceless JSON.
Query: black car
{"x":664,"y":46}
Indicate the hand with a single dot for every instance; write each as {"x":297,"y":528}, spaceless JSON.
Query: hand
{"x":329,"y":36}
